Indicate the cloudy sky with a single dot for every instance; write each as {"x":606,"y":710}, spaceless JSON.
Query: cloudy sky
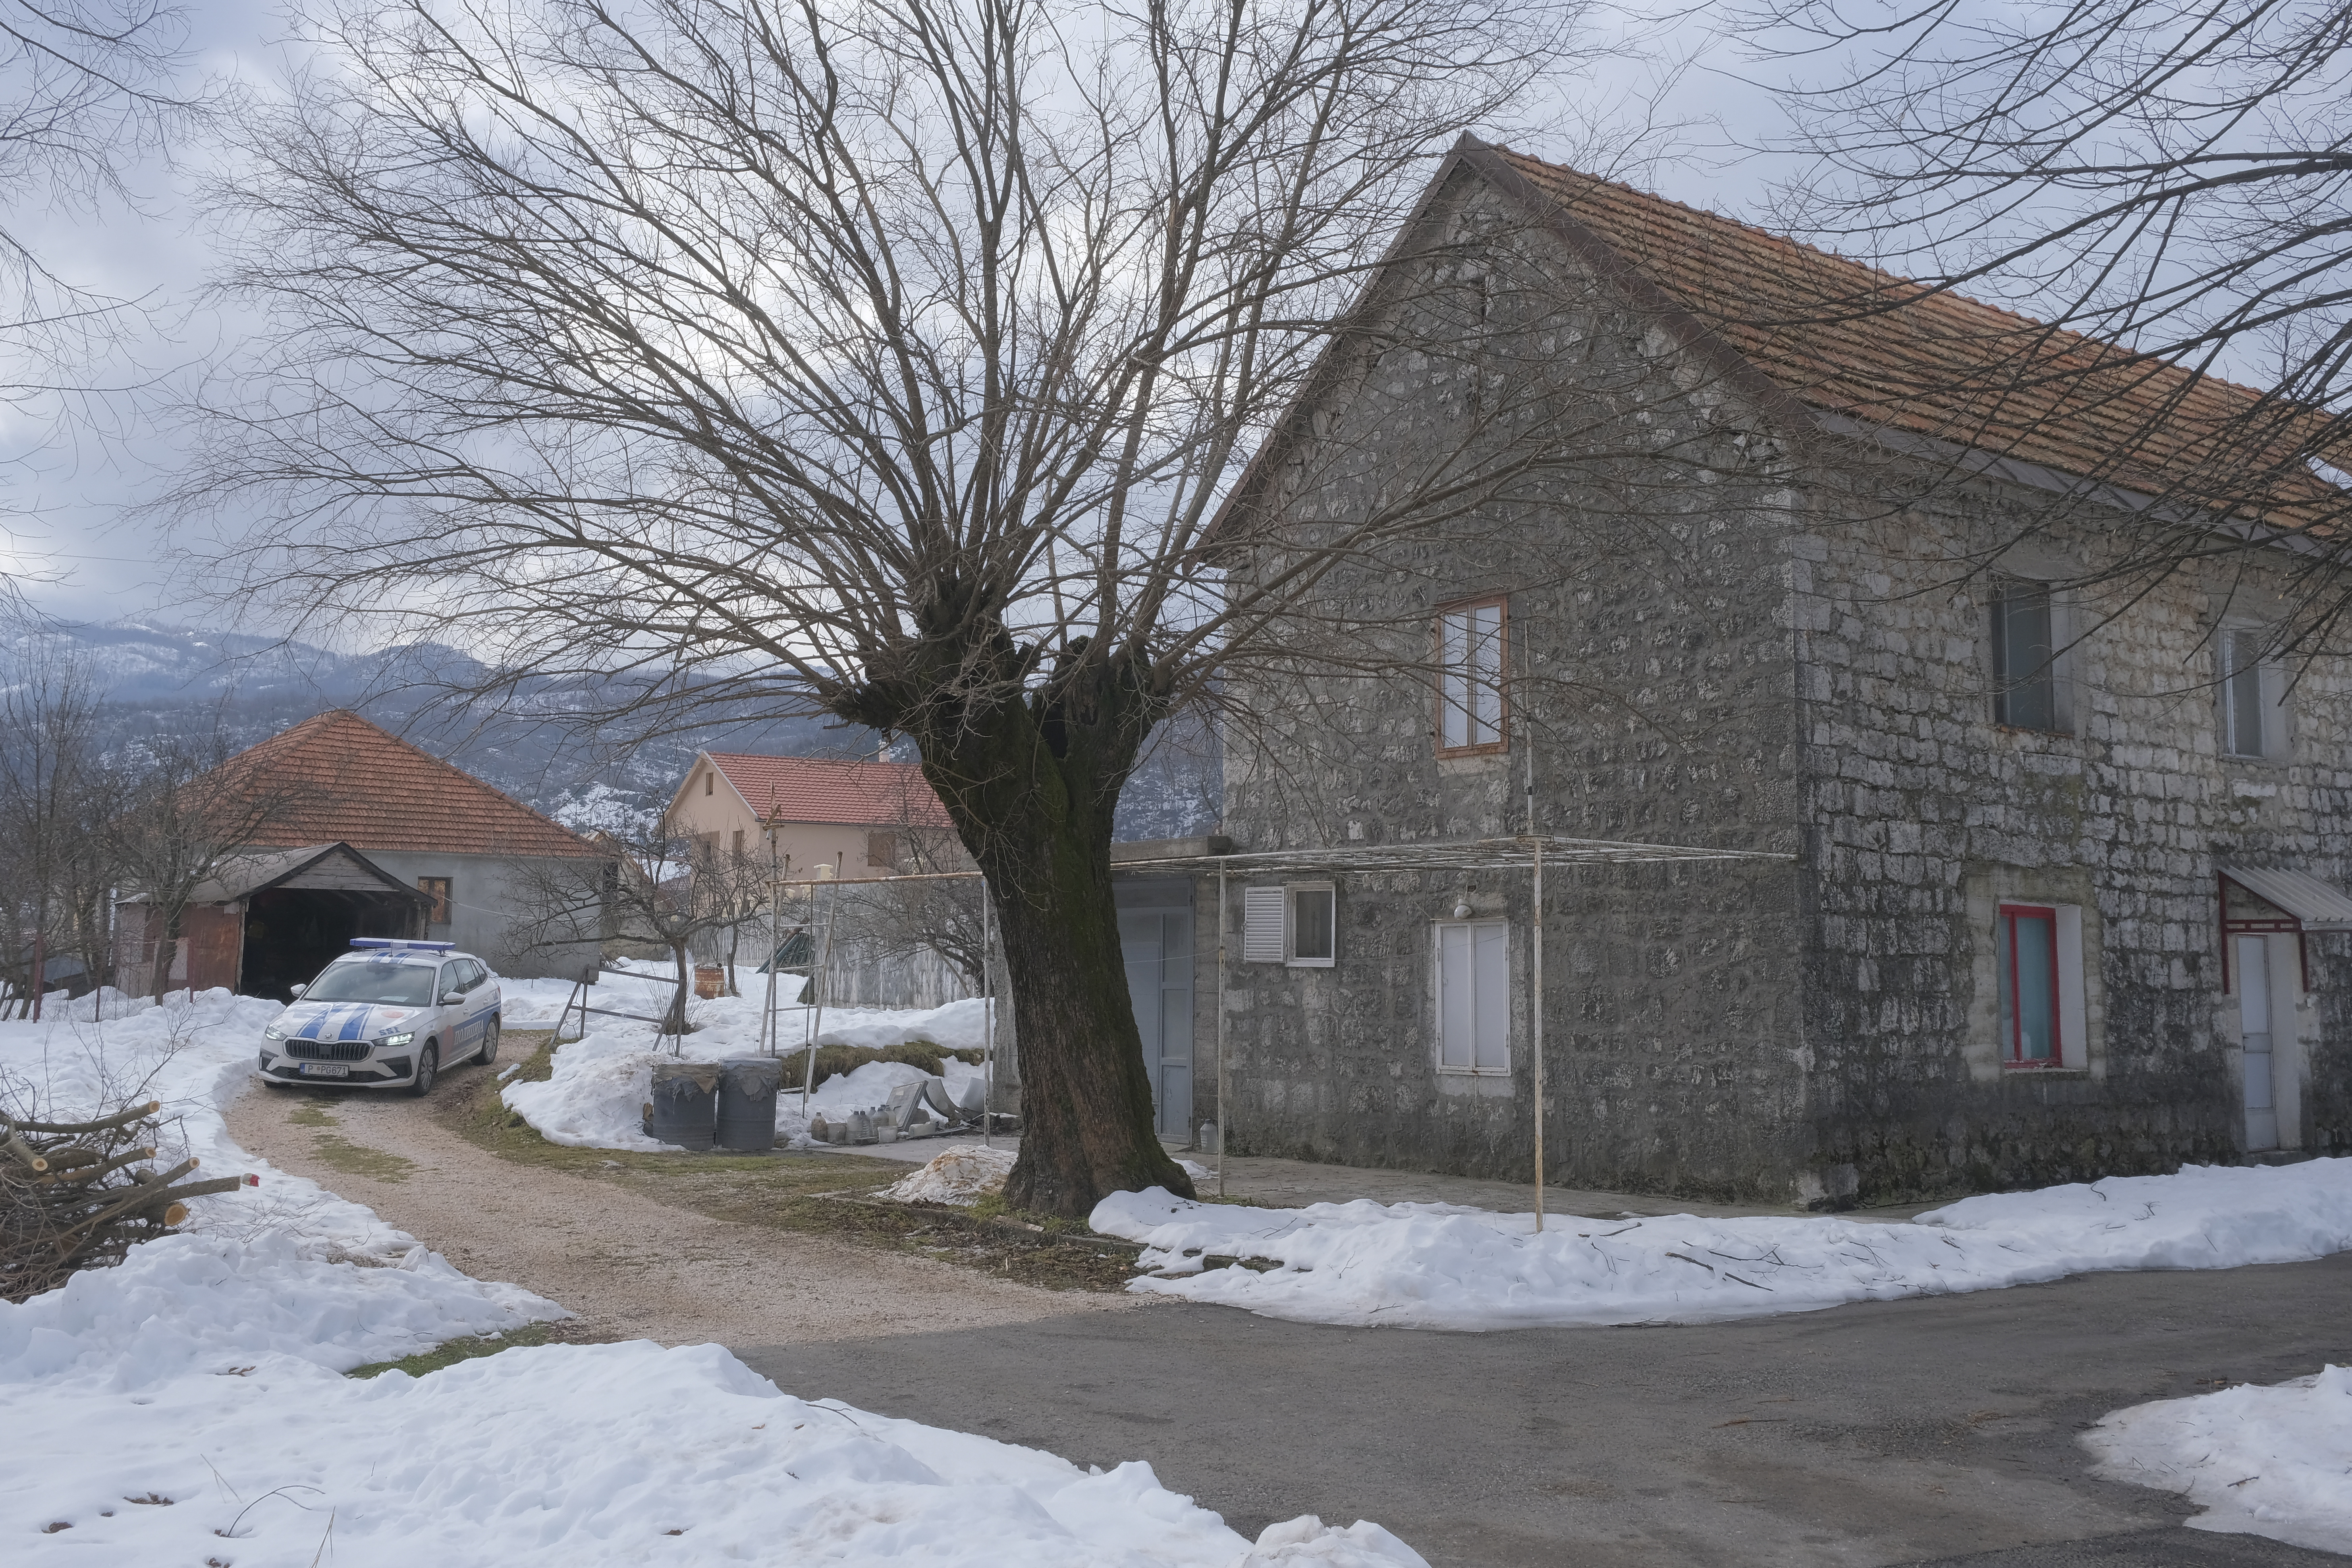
{"x":72,"y":501}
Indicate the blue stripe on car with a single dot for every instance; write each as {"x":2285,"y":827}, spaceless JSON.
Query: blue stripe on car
{"x":356,"y":1025}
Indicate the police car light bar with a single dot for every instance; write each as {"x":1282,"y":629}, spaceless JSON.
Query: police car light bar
{"x":398,"y":942}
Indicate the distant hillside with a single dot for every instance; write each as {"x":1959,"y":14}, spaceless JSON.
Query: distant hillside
{"x":167,"y":680}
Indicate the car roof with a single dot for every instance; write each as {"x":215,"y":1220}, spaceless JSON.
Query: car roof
{"x":401,"y":954}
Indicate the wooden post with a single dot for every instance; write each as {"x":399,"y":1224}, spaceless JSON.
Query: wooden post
{"x":1536,"y":1021}
{"x":1224,"y":1082}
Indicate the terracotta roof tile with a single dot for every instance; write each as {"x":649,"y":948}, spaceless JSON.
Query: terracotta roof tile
{"x":1851,"y":338}
{"x":815,"y":789}
{"x":343,"y":778}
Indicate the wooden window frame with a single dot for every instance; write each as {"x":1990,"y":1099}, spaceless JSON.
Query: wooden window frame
{"x":1501,"y":604}
{"x":443,"y":892}
{"x":2012,"y":1057}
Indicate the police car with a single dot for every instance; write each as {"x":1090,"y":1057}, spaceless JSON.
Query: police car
{"x":388,"y":1014}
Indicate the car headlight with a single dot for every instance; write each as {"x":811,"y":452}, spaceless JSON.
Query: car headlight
{"x":400,"y":1039}
{"x":273,"y":1032}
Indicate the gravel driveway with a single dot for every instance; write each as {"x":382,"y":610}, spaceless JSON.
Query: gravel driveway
{"x":630,"y":1266}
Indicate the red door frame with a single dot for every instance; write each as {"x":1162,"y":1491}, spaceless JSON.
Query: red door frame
{"x":2012,"y":1057}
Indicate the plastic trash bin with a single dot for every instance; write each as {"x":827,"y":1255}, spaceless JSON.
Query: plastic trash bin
{"x":682,"y":1104}
{"x":747,"y":1103}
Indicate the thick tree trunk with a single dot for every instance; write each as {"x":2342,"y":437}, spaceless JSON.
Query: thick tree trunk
{"x":1032,"y":787}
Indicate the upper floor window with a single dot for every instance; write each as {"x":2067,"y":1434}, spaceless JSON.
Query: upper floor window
{"x":1470,"y":678}
{"x":2027,"y":693}
{"x":2249,"y":710}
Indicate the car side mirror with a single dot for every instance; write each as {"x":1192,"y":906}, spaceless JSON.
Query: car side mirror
{"x":451,"y":998}
{"x":297,"y":991}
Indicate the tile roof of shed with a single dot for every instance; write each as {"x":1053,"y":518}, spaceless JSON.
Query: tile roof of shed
{"x":1847,"y":337}
{"x":819,"y":789}
{"x":345,"y":779}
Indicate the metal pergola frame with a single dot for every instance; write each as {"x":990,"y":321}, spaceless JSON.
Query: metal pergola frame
{"x":1529,"y":852}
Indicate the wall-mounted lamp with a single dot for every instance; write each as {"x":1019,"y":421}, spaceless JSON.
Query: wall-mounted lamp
{"x":1462,"y":911}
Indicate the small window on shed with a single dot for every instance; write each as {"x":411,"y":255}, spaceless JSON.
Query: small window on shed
{"x":709,"y":783}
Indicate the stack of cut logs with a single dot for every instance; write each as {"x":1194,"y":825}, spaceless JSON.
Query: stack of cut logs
{"x":76,"y":1194}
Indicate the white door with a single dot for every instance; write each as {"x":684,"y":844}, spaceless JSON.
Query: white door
{"x":2255,"y":1038}
{"x":1473,"y":996}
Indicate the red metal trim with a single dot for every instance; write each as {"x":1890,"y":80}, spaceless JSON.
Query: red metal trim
{"x":2015,"y":1055}
{"x":2290,"y":926}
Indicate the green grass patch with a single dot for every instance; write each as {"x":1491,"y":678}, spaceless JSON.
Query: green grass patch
{"x":358,"y":1160}
{"x":456,"y":1351}
{"x":804,"y":1194}
{"x":312,"y":1114}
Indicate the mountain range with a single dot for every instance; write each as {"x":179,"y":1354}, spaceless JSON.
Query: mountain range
{"x":542,"y":747}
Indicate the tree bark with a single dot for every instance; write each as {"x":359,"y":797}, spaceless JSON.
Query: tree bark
{"x":1031,"y":782}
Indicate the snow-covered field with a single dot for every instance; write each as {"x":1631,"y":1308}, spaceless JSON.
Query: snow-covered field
{"x":601,"y":1081}
{"x":188,"y":1406}
{"x":2259,"y":1461}
{"x":1438,"y":1265}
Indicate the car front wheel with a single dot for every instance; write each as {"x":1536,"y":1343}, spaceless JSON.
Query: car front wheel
{"x":428,"y":1064}
{"x":490,"y":1044}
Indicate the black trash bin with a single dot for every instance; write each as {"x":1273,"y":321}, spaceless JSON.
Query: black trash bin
{"x":747,"y":1103}
{"x":683,"y":1096}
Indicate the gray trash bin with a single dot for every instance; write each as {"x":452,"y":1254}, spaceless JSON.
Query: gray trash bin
{"x":683,"y":1096}
{"x":747,"y":1103}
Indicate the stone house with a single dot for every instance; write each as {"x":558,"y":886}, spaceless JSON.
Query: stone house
{"x":2064,"y":862}
{"x":368,"y":835}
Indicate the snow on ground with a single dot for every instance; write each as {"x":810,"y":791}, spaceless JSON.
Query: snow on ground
{"x":107,"y":1051}
{"x":1439,"y":1266}
{"x":2260,"y":1461}
{"x":187,"y":1404}
{"x":597,"y":1095}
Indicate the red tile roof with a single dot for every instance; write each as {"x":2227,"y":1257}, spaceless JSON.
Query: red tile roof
{"x":815,"y":789}
{"x":342,"y":778}
{"x":1846,"y":337}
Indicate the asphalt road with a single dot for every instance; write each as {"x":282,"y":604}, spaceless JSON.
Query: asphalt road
{"x":1927,"y":1431}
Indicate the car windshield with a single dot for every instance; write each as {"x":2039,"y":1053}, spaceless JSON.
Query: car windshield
{"x":393,"y":984}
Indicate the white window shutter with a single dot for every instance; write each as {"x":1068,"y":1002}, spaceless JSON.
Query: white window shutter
{"x":1262,"y":925}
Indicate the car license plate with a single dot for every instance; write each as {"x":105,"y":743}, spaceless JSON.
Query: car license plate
{"x":326,"y":1069}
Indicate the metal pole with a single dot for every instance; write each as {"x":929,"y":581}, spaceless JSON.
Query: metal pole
{"x":1225,"y":1084}
{"x":817,"y":984}
{"x":987,"y":1026}
{"x":775,"y":942}
{"x":1537,"y":1011}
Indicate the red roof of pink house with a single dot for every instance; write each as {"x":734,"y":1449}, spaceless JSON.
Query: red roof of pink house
{"x":815,"y":789}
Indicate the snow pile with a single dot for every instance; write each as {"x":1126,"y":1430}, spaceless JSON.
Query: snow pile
{"x":2259,"y":1461}
{"x":287,"y":1267}
{"x":961,"y":1176}
{"x":1442,"y":1266}
{"x":571,"y":1454}
{"x":597,"y":1095}
{"x":203,"y":1374}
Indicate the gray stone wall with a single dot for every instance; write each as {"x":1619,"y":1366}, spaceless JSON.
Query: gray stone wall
{"x":1921,"y":814}
{"x":1710,"y":647}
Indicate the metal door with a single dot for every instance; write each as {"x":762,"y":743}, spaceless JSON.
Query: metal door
{"x":2253,"y":979}
{"x":1157,"y":944}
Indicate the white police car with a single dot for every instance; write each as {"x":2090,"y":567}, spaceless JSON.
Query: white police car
{"x":388,"y":1014}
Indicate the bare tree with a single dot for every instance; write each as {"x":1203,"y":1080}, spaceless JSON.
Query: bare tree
{"x":87,"y":89}
{"x":182,"y":808}
{"x":53,"y":867}
{"x":889,"y":360}
{"x":2169,"y":180}
{"x":657,"y":887}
